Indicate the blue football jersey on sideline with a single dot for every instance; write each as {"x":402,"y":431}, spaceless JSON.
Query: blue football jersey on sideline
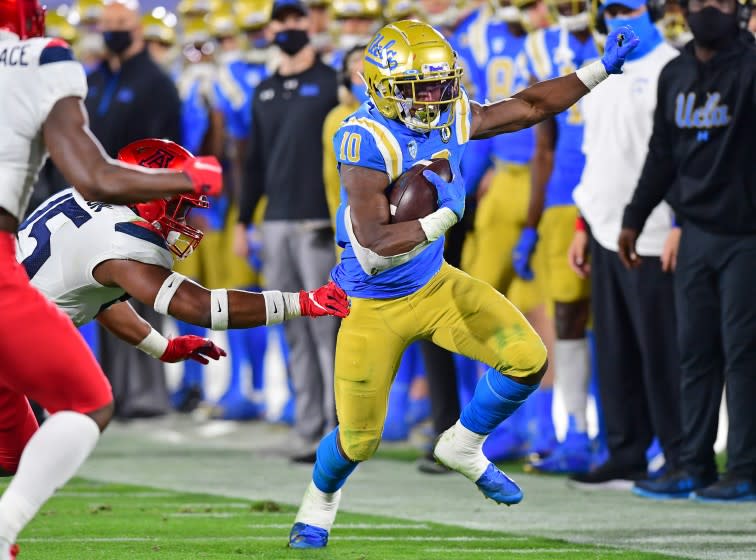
{"x":552,"y":53}
{"x":504,"y":74}
{"x":234,"y":88}
{"x":368,"y":139}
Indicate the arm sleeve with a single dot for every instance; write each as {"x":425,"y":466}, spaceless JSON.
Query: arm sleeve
{"x":658,"y":171}
{"x":254,"y":172}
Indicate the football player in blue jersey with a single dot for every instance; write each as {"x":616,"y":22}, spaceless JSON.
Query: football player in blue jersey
{"x":557,"y":165}
{"x":400,"y":287}
{"x":499,"y":53}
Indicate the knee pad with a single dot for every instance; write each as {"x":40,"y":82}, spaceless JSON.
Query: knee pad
{"x":360,"y":446}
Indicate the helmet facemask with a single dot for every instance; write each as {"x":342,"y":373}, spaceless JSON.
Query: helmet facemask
{"x":169,"y":218}
{"x":421,"y":99}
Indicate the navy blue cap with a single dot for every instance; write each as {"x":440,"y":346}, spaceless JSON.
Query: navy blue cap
{"x":282,"y":6}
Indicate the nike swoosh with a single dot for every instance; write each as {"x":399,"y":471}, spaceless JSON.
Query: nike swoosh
{"x":275,"y":308}
{"x":219,"y":307}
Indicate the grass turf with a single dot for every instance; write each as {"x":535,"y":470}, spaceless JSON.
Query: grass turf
{"x":89,"y":520}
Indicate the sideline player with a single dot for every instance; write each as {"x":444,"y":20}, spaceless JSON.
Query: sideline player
{"x":88,"y":257}
{"x":41,"y":94}
{"x":401,"y":289}
{"x":544,"y":242}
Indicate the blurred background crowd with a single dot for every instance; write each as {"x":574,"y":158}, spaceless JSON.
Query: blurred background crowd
{"x":200,"y":72}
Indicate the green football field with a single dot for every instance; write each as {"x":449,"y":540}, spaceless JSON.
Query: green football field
{"x":114,"y":521}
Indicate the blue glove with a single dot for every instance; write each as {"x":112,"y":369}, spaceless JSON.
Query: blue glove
{"x":523,"y":251}
{"x":619,"y":44}
{"x":450,"y":195}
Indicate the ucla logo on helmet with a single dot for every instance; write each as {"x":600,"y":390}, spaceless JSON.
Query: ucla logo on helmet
{"x":382,"y":56}
{"x":160,"y":159}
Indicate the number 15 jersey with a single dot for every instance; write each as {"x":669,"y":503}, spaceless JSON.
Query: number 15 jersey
{"x":63,"y":240}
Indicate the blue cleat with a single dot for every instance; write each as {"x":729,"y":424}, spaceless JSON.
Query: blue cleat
{"x":499,"y":487}
{"x":303,"y":535}
{"x":675,"y":485}
{"x":573,"y":455}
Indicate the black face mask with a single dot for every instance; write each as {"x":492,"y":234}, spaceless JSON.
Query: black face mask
{"x":291,"y":41}
{"x":712,"y":28}
{"x":117,"y":41}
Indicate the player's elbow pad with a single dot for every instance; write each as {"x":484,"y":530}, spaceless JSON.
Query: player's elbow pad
{"x":370,"y":261}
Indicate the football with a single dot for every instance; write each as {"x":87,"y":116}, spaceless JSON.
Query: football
{"x":412,"y":196}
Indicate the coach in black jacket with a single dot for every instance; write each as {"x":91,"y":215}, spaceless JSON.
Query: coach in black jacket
{"x":702,"y":161}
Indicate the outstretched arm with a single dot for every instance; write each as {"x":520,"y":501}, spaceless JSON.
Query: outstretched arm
{"x":217,"y":309}
{"x":83,"y":162}
{"x":125,"y":323}
{"x":545,"y":99}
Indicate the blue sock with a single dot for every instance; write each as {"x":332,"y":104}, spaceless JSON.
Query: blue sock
{"x":331,"y":467}
{"x":496,"y":398}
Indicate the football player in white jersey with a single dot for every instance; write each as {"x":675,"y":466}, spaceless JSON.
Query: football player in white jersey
{"x":41,"y":94}
{"x":88,"y":257}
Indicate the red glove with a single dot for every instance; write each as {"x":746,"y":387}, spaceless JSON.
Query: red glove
{"x":193,"y":348}
{"x":206,"y":174}
{"x":326,"y":300}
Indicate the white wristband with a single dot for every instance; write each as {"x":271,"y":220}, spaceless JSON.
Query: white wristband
{"x":154,"y":344}
{"x":435,"y":225}
{"x":274,"y":307}
{"x":167,"y":291}
{"x":218,"y":310}
{"x":592,"y":74}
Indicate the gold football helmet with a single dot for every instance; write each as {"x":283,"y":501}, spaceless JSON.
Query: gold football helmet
{"x":160,"y":27}
{"x":572,"y":15}
{"x":252,"y":15}
{"x":223,"y":23}
{"x":57,"y":26}
{"x":399,"y":9}
{"x":412,"y":75}
{"x":368,"y":9}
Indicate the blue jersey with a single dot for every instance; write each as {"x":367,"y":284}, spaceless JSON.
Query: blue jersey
{"x":552,"y":53}
{"x":504,"y":73}
{"x":234,"y":88}
{"x":368,"y":139}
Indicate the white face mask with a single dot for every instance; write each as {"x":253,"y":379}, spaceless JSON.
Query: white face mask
{"x":573,"y":24}
{"x":509,"y":14}
{"x":348,"y":41}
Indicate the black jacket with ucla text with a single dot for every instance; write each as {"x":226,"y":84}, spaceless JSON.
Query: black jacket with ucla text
{"x":701,"y":156}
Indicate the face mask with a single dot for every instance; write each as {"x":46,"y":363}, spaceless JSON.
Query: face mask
{"x":291,"y":41}
{"x":712,"y":28}
{"x":573,"y":24}
{"x":360,"y":93}
{"x":117,"y":41}
{"x":645,"y":30}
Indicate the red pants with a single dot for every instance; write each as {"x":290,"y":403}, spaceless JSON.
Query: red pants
{"x":42,"y":356}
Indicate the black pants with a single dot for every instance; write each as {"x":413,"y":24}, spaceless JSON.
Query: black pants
{"x":638,"y":363}
{"x":716,"y":298}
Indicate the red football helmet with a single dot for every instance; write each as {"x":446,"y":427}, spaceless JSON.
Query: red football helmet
{"x":166,"y":215}
{"x":25,"y":18}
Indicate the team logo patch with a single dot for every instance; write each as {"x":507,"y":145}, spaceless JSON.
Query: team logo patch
{"x":383,"y":55}
{"x":498,"y":44}
{"x":445,"y":134}
{"x":159,"y":160}
{"x":438,"y":67}
{"x":412,"y":147}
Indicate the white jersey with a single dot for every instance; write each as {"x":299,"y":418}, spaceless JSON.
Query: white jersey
{"x":63,"y":240}
{"x":34,"y":75}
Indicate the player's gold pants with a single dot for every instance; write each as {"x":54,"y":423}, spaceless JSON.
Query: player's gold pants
{"x":555,"y":279}
{"x":455,"y":311}
{"x":499,"y":219}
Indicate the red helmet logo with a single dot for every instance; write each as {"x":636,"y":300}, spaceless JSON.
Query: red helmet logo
{"x":167,"y":216}
{"x":25,"y":18}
